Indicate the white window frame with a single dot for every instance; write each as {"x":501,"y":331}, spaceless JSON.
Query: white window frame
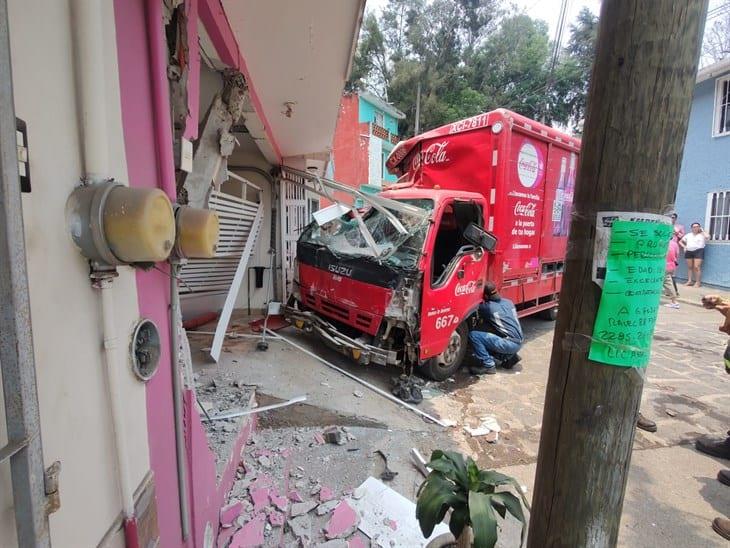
{"x":379,"y":118}
{"x":719,"y":106}
{"x":721,"y":217}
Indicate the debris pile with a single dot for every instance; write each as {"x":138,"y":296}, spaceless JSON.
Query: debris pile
{"x":217,"y":394}
{"x":273,"y":502}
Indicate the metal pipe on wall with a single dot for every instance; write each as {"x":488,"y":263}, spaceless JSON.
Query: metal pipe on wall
{"x":17,"y":362}
{"x":89,"y":46}
{"x":177,"y":403}
{"x":161,"y":97}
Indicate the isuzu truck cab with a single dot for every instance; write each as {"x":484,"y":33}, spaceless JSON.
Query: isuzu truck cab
{"x":486,"y":198}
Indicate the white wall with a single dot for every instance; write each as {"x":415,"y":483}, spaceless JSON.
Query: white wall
{"x":75,"y":421}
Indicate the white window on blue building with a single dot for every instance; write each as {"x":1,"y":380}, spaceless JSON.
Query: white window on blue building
{"x":379,"y":119}
{"x":718,"y":216}
{"x":722,"y":107}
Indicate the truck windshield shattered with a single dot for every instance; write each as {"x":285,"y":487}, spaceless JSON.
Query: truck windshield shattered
{"x":348,"y":236}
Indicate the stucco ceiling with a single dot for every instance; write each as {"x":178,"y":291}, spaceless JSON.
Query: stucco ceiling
{"x":297,"y":56}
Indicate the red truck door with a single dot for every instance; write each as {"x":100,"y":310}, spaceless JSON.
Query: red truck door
{"x":454,"y":275}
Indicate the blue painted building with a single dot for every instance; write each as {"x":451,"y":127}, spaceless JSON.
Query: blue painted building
{"x":703,"y":194}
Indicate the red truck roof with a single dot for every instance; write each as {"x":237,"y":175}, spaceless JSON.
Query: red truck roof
{"x":395,"y":163}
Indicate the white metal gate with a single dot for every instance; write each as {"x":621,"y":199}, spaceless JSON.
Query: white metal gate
{"x":295,"y":216}
{"x":240,"y":225}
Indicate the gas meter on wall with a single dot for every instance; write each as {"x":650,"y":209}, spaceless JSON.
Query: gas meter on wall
{"x":197,"y":232}
{"x":112,"y":224}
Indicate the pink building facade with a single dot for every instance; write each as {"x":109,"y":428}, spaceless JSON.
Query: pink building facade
{"x":164,"y":65}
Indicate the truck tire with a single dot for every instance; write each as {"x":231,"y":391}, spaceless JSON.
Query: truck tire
{"x":549,"y":314}
{"x":441,"y":367}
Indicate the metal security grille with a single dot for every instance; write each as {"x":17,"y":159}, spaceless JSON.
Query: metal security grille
{"x":718,"y":216}
{"x":237,"y":218}
{"x":294,"y":218}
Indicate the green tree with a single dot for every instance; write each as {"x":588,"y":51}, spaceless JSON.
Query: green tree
{"x":470,"y":56}
{"x":573,"y":73}
{"x":510,"y":68}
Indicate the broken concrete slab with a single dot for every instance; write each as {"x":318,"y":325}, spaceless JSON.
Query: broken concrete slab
{"x":343,"y":523}
{"x":250,"y":535}
{"x":301,"y":508}
{"x":327,"y":507}
{"x":381,"y":505}
{"x":335,"y":435}
{"x":301,"y":528}
{"x":336,"y":543}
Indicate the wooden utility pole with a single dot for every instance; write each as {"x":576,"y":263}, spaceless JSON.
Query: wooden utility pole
{"x":638,"y":108}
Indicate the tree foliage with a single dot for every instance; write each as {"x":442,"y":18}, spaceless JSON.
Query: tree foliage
{"x":471,"y":56}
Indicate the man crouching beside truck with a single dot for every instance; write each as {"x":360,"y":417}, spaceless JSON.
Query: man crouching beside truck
{"x":504,"y":337}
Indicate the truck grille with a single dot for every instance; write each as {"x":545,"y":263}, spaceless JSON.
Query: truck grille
{"x":353,"y":317}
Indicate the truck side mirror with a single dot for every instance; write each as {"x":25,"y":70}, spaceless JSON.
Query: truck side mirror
{"x":476,"y":235}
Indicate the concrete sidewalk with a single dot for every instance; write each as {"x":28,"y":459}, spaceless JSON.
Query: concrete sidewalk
{"x":693,"y":295}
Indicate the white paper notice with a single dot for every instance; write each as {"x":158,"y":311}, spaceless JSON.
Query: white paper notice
{"x":604,"y":222}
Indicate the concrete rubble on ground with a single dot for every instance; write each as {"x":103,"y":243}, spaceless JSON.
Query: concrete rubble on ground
{"x":274,"y":502}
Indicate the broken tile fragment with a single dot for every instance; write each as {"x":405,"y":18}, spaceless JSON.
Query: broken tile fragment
{"x":264,"y":461}
{"x":276,"y":519}
{"x":280,"y":502}
{"x":343,"y":522}
{"x":224,"y":535}
{"x":264,"y":480}
{"x":356,"y":542}
{"x":260,"y":498}
{"x":250,"y":535}
{"x":319,"y":438}
{"x":327,"y":507}
{"x":294,"y":496}
{"x":301,"y":508}
{"x":325,"y":494}
{"x":358,"y":493}
{"x":229,"y":513}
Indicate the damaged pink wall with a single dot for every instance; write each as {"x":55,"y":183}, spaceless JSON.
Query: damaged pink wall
{"x":152,"y":286}
{"x":143,"y":85}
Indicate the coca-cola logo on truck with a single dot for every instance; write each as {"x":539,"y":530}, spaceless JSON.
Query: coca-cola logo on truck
{"x":525,"y":210}
{"x":530,"y":165}
{"x":435,"y":154}
{"x":468,"y":288}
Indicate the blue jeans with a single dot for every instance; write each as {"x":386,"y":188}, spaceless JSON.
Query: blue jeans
{"x":484,"y":343}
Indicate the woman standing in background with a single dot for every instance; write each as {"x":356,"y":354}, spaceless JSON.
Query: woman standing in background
{"x":694,"y":252}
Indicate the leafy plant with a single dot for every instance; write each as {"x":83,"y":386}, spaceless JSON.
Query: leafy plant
{"x":471,"y":493}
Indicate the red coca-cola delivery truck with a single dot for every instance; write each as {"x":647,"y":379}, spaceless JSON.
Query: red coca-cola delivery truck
{"x":487,"y":198}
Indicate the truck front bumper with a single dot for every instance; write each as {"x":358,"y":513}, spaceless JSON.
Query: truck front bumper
{"x":359,"y":351}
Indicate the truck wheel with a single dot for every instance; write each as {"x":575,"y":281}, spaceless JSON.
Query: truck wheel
{"x":441,"y":367}
{"x":549,"y":314}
